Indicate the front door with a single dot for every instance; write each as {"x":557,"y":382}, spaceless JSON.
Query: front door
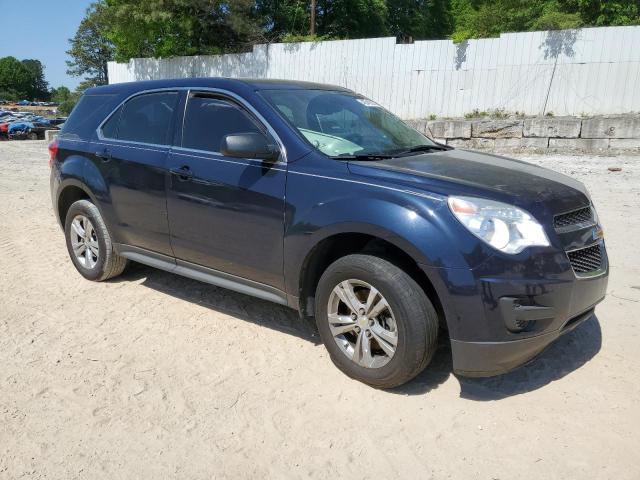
{"x":225,"y":213}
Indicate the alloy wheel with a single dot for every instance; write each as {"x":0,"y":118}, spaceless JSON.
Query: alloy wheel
{"x":84,"y":241}
{"x":362,"y":323}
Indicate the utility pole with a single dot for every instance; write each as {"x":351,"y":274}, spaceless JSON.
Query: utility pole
{"x":312,"y":29}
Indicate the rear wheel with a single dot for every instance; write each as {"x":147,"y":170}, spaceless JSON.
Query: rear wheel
{"x":375,"y":320}
{"x":89,"y":243}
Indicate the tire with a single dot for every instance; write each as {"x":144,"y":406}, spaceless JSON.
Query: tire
{"x":415,"y":319}
{"x":33,"y":136}
{"x":106,"y":263}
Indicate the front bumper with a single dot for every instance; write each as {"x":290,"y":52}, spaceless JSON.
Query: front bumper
{"x":483,"y":306}
{"x":485,"y":359}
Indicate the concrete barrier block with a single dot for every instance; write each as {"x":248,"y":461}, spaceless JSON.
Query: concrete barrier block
{"x":535,"y":142}
{"x":49,"y":135}
{"x":473,"y":143}
{"x":497,"y":128}
{"x":611,"y":127}
{"x":582,"y":144}
{"x":625,"y":144}
{"x":449,"y":129}
{"x":522,"y":143}
{"x":552,"y":127}
{"x":508,"y":143}
{"x":419,"y":125}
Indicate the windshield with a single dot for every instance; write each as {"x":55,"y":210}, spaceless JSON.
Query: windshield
{"x":339,"y":123}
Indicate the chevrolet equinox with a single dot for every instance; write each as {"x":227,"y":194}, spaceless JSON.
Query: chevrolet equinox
{"x":315,"y":197}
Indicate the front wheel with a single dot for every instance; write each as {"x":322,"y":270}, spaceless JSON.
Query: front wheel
{"x":377,"y":323}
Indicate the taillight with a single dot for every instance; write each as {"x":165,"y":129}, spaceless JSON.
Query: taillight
{"x":53,"y":151}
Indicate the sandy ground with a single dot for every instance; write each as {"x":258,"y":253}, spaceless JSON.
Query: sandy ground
{"x":157,"y":376}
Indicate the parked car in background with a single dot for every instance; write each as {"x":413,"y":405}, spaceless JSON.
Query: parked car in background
{"x":57,"y":121}
{"x":26,"y":125}
{"x":315,"y":197}
{"x":30,"y":130}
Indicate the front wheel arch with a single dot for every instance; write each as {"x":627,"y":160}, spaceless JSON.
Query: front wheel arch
{"x":333,"y":247}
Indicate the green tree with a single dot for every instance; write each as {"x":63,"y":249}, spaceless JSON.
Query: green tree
{"x":64,"y":109}
{"x":598,"y":13}
{"x":39,"y":89}
{"x":165,"y":28}
{"x":420,"y":19}
{"x":123,"y":29}
{"x":60,"y":94}
{"x":289,"y":20}
{"x":489,"y":18}
{"x":66,"y":98}
{"x":283,"y":19}
{"x":352,"y":18}
{"x":16,"y":80}
{"x":90,"y":47}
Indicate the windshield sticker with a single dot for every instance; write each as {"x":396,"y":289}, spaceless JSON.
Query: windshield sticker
{"x":367,"y":103}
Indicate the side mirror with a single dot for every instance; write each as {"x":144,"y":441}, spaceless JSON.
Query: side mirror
{"x":249,"y":145}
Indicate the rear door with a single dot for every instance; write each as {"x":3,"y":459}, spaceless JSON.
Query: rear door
{"x":132,"y":156}
{"x":225,"y":213}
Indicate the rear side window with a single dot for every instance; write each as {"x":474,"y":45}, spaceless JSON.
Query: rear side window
{"x":87,"y":115}
{"x":110,"y":127}
{"x":208,"y":119}
{"x":143,"y":119}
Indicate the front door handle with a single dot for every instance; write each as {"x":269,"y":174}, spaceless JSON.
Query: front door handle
{"x":183,"y":173}
{"x":104,"y":155}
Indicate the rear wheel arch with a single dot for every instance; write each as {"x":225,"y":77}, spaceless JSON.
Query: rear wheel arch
{"x":336,"y":246}
{"x":69,"y":193}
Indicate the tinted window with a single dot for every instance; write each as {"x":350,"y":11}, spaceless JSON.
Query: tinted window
{"x":87,"y":115}
{"x":208,"y":119}
{"x":110,"y":128}
{"x":146,"y":118}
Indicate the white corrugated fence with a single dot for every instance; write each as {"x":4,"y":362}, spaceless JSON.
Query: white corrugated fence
{"x":590,"y":71}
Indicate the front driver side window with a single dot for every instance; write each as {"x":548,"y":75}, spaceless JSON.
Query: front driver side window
{"x":209,"y":118}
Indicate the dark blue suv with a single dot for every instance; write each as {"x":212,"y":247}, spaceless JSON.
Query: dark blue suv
{"x":315,"y":197}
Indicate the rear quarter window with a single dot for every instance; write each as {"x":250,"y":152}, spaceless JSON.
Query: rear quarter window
{"x":87,"y":115}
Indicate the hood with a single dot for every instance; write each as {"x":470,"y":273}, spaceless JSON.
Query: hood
{"x":480,"y":174}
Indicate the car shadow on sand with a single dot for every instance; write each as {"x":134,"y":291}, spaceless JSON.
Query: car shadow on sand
{"x":238,"y":305}
{"x":566,"y":355}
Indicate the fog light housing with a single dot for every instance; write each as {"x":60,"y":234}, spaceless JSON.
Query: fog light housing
{"x":521,"y":318}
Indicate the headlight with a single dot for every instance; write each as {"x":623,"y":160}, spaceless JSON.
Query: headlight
{"x":504,"y":227}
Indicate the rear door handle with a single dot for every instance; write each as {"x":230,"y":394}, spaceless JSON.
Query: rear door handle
{"x":104,"y":155}
{"x":183,"y":173}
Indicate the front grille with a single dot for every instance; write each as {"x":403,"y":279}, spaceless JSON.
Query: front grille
{"x":575,"y":217}
{"x":586,"y":260}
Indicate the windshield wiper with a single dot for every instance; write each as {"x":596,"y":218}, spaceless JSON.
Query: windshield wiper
{"x":422,"y":148}
{"x":391,"y":154}
{"x":363,"y":156}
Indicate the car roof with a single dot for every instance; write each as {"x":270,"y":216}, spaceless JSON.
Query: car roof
{"x":212,"y":82}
